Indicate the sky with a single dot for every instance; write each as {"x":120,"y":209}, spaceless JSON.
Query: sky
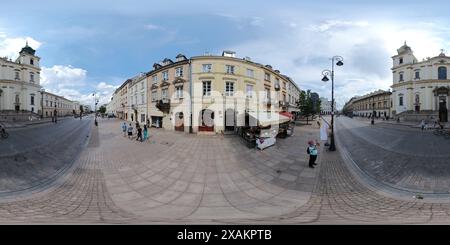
{"x":88,"y":46}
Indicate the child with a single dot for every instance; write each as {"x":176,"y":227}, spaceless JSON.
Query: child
{"x":312,"y":152}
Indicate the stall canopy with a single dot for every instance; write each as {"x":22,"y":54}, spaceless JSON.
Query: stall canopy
{"x":287,"y":114}
{"x":265,"y":119}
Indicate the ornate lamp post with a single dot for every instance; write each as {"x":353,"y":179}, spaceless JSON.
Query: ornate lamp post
{"x":42,"y":102}
{"x":95,"y":108}
{"x":339,"y":62}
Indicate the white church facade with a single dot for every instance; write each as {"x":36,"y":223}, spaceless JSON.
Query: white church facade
{"x":420,"y":90}
{"x":20,"y":89}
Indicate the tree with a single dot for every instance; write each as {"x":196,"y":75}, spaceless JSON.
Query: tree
{"x":305,"y":104}
{"x":102,"y":109}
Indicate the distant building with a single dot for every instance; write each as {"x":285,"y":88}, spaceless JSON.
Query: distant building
{"x":325,"y":106}
{"x":315,"y":100}
{"x":377,"y":103}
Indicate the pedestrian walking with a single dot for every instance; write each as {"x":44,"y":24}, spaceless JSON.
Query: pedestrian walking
{"x":124,"y":129}
{"x":139,"y":134}
{"x":130,"y":131}
{"x":312,"y":152}
{"x":145,"y":132}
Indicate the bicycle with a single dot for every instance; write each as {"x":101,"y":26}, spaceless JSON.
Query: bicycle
{"x":3,"y":133}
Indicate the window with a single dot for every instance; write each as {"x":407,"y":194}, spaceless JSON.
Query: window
{"x":142,"y":118}
{"x":267,"y":94}
{"x":51,"y":103}
{"x":229,"y":88}
{"x":400,"y":101}
{"x":400,"y":77}
{"x":250,"y":73}
{"x":17,"y":77}
{"x":142,"y":98}
{"x":249,"y":90}
{"x":154,"y":79}
{"x":165,"y":76}
{"x":179,"y":72}
{"x":164,"y":93}
{"x":442,"y":73}
{"x":32,"y":100}
{"x":229,"y":69}
{"x":46,"y":103}
{"x":284,"y":98}
{"x":417,"y":74}
{"x":400,"y":61}
{"x":207,"y":88}
{"x":32,"y":77}
{"x":277,"y":82}
{"x":179,"y":92}
{"x":284,"y":85}
{"x":154,"y":95}
{"x":207,"y":67}
{"x":142,"y":85}
{"x":267,"y":76}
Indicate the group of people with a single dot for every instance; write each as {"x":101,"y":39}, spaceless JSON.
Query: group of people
{"x":141,"y":133}
{"x":424,"y":124}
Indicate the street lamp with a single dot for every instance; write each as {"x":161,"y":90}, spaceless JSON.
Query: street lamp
{"x":373,"y":111}
{"x":42,"y":102}
{"x":339,"y":62}
{"x":95,"y":109}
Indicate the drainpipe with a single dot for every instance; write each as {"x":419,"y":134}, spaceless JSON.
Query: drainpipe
{"x":190,"y":94}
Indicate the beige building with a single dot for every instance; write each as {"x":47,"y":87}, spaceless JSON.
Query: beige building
{"x":168,"y":94}
{"x":378,"y":102}
{"x":205,"y":94}
{"x":137,"y":99}
{"x":55,"y":104}
{"x":119,"y":101}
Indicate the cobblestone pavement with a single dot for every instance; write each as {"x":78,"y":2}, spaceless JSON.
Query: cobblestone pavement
{"x":33,"y":156}
{"x":401,"y":158}
{"x":179,"y":178}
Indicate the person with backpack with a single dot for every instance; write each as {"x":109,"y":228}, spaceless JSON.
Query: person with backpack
{"x":130,"y":131}
{"x":124,"y":129}
{"x":139,"y":134}
{"x":312,"y":152}
{"x":145,"y":132}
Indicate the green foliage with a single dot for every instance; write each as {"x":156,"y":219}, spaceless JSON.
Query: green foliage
{"x":306,"y":105}
{"x":102,"y":109}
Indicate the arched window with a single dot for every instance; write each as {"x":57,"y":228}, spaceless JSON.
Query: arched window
{"x":442,"y":73}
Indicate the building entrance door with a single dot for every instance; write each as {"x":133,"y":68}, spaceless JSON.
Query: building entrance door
{"x":443,"y":112}
{"x":207,"y":121}
{"x":230,"y":119}
{"x":179,"y":122}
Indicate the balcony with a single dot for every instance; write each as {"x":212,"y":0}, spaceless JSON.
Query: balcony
{"x":277,"y":87}
{"x":163,"y":105}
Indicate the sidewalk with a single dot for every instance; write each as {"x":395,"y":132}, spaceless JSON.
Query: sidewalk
{"x":22,"y":124}
{"x":401,"y":123}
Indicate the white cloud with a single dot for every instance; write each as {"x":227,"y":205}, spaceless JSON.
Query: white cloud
{"x":60,"y":76}
{"x":303,"y":49}
{"x":11,"y":46}
{"x":71,"y":83}
{"x":153,"y":27}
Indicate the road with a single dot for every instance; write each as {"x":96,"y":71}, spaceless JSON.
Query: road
{"x":34,"y":156}
{"x":399,"y":157}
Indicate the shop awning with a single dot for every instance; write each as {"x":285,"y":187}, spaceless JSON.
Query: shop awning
{"x":287,"y":114}
{"x":265,"y":119}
